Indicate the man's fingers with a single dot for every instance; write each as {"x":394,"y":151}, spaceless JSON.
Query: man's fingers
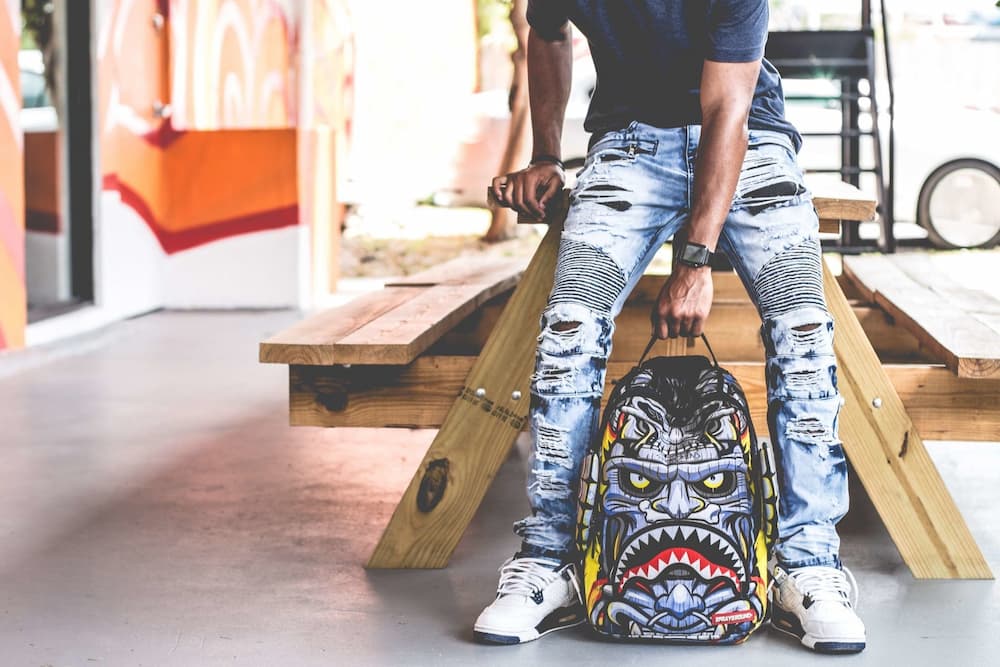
{"x":497,"y":190}
{"x":673,"y":327}
{"x":683,"y":327}
{"x":531,"y":185}
{"x":505,"y":187}
{"x":697,"y":327}
{"x":551,"y":188}
{"x":517,"y":194}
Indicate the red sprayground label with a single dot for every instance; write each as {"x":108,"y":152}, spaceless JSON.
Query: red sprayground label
{"x":732,"y":617}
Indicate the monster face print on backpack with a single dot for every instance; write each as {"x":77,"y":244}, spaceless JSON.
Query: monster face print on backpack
{"x":678,"y":508}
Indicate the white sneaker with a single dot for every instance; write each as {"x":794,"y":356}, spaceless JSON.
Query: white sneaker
{"x":534,"y":597}
{"x":814,"y":604}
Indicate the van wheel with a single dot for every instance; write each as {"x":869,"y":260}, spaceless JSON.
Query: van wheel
{"x":959,"y":204}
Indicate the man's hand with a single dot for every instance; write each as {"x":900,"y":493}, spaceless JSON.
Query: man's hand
{"x":684,"y":302}
{"x":528,"y":191}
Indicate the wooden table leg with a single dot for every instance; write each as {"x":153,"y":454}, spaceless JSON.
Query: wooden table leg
{"x":477,"y":433}
{"x":890,"y":459}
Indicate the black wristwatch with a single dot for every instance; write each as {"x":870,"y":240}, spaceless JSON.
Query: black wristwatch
{"x":694,"y":254}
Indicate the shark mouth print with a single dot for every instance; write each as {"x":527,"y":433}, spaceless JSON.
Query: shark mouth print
{"x":707,"y":553}
{"x":683,"y":581}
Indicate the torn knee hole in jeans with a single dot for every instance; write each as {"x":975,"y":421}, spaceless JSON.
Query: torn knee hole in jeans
{"x":547,"y":484}
{"x":554,"y":377}
{"x":804,"y":380}
{"x":551,"y":444}
{"x":606,"y":194}
{"x":807,"y":335}
{"x":534,"y":524}
{"x":810,"y":431}
{"x":762,"y":185}
{"x":565,"y":327}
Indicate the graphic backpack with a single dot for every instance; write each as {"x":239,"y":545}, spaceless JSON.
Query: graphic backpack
{"x":678,"y":508}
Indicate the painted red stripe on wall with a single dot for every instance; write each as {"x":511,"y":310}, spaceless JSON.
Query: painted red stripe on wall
{"x":176,"y":241}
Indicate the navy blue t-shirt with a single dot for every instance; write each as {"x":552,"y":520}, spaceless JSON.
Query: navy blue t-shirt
{"x":649,"y":55}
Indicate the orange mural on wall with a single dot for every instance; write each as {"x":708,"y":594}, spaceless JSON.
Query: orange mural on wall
{"x":231,"y":63}
{"x":13,"y":306}
{"x":193,"y":187}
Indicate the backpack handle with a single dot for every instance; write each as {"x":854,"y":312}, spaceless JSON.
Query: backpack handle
{"x":653,"y":339}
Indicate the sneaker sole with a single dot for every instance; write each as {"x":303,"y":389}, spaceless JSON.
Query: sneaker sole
{"x":787,"y":623}
{"x":560,"y":619}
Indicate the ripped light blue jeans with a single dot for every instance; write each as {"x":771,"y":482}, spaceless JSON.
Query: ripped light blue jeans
{"x":633,"y":193}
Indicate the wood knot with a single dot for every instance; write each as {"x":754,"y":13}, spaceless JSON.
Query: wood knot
{"x":432,"y":485}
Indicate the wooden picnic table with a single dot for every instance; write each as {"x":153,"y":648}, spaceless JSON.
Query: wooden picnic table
{"x":453,"y":348}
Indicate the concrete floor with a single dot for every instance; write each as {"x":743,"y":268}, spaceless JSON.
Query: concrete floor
{"x":156,"y":509}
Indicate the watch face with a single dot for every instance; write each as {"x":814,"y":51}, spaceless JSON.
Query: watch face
{"x":694,"y":254}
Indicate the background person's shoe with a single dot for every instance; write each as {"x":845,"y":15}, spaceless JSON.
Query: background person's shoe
{"x":535,"y":596}
{"x":814,"y":604}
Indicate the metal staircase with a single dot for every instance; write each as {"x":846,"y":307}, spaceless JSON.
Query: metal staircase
{"x":849,"y":58}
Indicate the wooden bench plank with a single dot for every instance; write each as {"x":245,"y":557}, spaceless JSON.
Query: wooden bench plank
{"x":968,"y":346}
{"x":941,"y":405}
{"x":836,"y":200}
{"x":395,"y":324}
{"x":398,"y":336}
{"x":889,"y":458}
{"x":312,"y":340}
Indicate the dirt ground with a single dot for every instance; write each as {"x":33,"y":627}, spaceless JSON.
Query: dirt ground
{"x":398,"y":241}
{"x":393,"y":240}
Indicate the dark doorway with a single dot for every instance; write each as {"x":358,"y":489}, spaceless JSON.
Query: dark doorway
{"x":79,"y":149}
{"x":57,"y":118}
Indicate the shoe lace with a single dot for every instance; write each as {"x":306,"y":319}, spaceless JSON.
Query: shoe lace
{"x":827,"y":584}
{"x":526,"y":576}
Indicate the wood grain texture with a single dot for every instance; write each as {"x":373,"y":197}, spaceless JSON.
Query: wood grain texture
{"x":941,"y":405}
{"x":397,"y":323}
{"x":398,"y":336}
{"x":891,"y":461}
{"x":932,"y":311}
{"x":477,"y":432}
{"x":828,"y":226}
{"x":842,"y":201}
{"x":312,"y":340}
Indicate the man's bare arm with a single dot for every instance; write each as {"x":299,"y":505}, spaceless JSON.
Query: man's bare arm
{"x":550,"y":70}
{"x":726,"y":95}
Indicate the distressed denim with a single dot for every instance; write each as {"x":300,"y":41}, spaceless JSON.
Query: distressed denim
{"x":634,"y":191}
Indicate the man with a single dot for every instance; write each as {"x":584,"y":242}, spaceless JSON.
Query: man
{"x":688,"y":135}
